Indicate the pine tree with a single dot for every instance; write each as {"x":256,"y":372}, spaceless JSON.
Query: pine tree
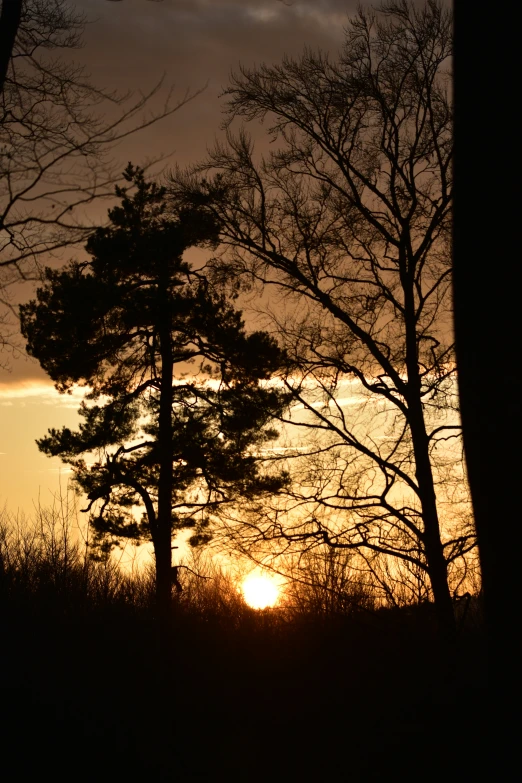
{"x":176,"y":411}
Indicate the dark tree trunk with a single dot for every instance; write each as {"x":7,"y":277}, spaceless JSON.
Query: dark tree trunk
{"x":487,"y":329}
{"x":437,"y":565}
{"x":163,"y":543}
{"x":9,"y":23}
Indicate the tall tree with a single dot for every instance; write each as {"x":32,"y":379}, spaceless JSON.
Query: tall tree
{"x":178,"y":446}
{"x":350,"y":217}
{"x":487,"y":326}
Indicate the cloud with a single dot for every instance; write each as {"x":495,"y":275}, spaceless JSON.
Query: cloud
{"x":39,"y":392}
{"x":342,"y":402}
{"x":199,"y":41}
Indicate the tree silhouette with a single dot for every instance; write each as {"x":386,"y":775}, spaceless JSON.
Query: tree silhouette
{"x":351,"y":218}
{"x":487,"y":326}
{"x":122,"y":323}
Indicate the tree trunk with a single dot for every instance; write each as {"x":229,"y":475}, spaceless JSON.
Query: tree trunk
{"x":487,"y":331}
{"x":437,"y":565}
{"x":163,"y":545}
{"x":163,"y":557}
{"x":9,"y":23}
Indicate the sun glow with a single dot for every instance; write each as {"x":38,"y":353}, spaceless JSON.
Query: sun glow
{"x":260,"y":592}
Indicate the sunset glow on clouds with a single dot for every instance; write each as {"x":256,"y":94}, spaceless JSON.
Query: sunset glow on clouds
{"x":40,"y":393}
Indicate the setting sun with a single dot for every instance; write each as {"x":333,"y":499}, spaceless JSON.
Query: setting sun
{"x":260,"y":592}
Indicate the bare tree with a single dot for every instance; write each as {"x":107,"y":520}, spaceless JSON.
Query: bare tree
{"x":350,"y":219}
{"x":57,"y":133}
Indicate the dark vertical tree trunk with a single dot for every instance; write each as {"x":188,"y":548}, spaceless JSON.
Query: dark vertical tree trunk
{"x":437,"y":565}
{"x":10,"y":16}
{"x":487,"y":328}
{"x":163,"y":552}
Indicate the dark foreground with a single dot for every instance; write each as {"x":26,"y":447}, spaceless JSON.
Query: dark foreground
{"x":112,"y":695}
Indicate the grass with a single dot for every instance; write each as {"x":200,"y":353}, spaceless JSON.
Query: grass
{"x":328,"y":686}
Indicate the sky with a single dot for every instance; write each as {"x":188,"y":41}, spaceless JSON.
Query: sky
{"x":130,"y":45}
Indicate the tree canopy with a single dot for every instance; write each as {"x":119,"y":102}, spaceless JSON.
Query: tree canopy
{"x":176,"y":411}
{"x":349,"y":217}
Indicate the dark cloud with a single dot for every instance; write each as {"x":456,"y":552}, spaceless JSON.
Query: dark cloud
{"x":197,"y":43}
{"x":130,"y":44}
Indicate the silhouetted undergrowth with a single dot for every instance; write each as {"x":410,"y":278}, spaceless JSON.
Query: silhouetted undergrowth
{"x":326,"y":683}
{"x":46,"y":566}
